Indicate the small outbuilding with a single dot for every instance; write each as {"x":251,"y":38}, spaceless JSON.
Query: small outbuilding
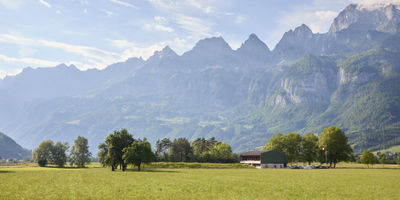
{"x":264,"y":159}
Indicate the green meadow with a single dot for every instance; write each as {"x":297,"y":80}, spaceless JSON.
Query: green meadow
{"x":198,"y":183}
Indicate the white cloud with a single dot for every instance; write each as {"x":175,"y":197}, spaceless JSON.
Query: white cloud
{"x":12,"y":4}
{"x":124,"y":3}
{"x":101,"y":56}
{"x":160,"y":20}
{"x":30,"y":61}
{"x":9,"y":72}
{"x":184,"y":6}
{"x":108,"y":13}
{"x":239,"y":19}
{"x":45,"y":3}
{"x":160,"y":24}
{"x":194,"y":25}
{"x":121,"y":44}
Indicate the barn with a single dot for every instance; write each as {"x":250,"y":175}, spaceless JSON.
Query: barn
{"x":264,"y":159}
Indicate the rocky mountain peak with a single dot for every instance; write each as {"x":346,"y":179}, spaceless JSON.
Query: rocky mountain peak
{"x":166,"y":52}
{"x":253,"y":45}
{"x":376,"y":17}
{"x":213,"y":44}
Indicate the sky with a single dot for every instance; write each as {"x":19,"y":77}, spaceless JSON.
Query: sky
{"x":97,"y":33}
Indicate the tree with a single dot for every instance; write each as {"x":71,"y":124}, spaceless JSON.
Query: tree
{"x":162,"y":148}
{"x":80,"y":152}
{"x":58,"y":154}
{"x":42,"y":154}
{"x":223,"y":153}
{"x":116,"y":142}
{"x":139,"y":152}
{"x":180,"y":150}
{"x":368,"y":158}
{"x":275,"y":143}
{"x":102,"y":155}
{"x":398,"y":159}
{"x":291,"y":146}
{"x":202,"y":149}
{"x":309,"y":147}
{"x":336,"y":146}
{"x":382,"y":159}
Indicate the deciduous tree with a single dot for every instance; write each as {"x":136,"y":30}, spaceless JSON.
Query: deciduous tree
{"x":368,"y":158}
{"x":80,"y":152}
{"x":309,"y":147}
{"x":116,"y":142}
{"x":335,"y":142}
{"x":275,"y":143}
{"x":137,"y":153}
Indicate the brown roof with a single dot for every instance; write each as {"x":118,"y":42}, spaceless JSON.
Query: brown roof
{"x":253,"y":153}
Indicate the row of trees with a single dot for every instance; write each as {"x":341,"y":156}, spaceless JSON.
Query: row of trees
{"x":49,"y":153}
{"x":121,"y":149}
{"x":309,"y":147}
{"x":369,"y":158}
{"x":199,"y":150}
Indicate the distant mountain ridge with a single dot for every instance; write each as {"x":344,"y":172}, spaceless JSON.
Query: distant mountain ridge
{"x":345,"y":77}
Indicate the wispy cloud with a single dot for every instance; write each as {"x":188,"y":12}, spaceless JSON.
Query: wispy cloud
{"x":159,"y":24}
{"x":239,"y":19}
{"x":124,"y":3}
{"x":121,"y":44}
{"x":194,"y":25}
{"x":182,"y":5}
{"x":12,"y":4}
{"x":93,"y":55}
{"x":45,"y":3}
{"x":30,"y":61}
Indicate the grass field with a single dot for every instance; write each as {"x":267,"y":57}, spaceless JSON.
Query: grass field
{"x":101,"y":183}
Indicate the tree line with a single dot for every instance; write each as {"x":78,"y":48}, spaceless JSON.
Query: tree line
{"x":49,"y":153}
{"x":331,"y":146}
{"x":369,"y":158}
{"x":120,"y":149}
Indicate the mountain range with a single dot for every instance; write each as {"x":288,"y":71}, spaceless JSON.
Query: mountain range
{"x":347,"y":77}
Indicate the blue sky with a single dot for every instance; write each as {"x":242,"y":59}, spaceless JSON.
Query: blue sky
{"x":96,"y":33}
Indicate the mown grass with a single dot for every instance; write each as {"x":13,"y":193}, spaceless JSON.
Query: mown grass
{"x":100,"y":183}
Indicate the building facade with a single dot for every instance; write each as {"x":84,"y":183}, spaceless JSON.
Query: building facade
{"x":264,"y":159}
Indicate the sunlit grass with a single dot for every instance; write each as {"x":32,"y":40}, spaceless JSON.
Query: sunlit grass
{"x":100,"y":183}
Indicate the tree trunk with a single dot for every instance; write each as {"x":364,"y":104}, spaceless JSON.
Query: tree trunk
{"x":334,"y":164}
{"x":112,"y":168}
{"x":138,"y":167}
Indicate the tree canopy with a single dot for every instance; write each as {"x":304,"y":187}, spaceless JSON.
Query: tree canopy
{"x":368,"y":158}
{"x":336,"y":145}
{"x":80,"y":152}
{"x":137,"y":153}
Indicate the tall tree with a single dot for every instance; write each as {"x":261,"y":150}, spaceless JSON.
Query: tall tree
{"x":116,"y":142}
{"x":223,"y":153}
{"x":162,"y":147}
{"x":291,"y":146}
{"x":336,"y":145}
{"x":180,"y":149}
{"x":382,"y":159}
{"x":368,"y":158}
{"x":59,"y":155}
{"x":102,"y":155}
{"x":42,"y":154}
{"x":80,"y":152}
{"x":275,"y":143}
{"x":309,"y":147}
{"x":139,"y":152}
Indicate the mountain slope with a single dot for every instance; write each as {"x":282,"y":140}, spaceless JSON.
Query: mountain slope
{"x":10,"y":149}
{"x":348,"y":77}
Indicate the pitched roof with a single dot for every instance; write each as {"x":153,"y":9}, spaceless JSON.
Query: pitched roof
{"x":253,"y":153}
